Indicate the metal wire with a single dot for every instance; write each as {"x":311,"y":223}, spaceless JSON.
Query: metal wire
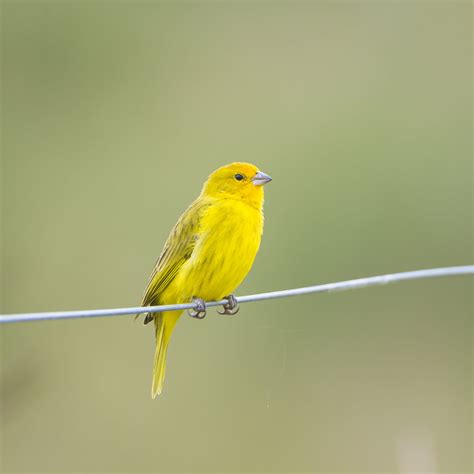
{"x":338,"y":286}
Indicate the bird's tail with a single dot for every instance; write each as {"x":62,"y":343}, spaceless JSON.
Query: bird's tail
{"x":164,"y":325}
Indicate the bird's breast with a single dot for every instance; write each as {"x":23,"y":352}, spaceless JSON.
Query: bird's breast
{"x":228,"y":242}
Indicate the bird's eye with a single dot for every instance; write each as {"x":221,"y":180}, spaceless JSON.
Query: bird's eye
{"x":239,"y":177}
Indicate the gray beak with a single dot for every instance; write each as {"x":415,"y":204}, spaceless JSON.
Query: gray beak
{"x":261,"y":178}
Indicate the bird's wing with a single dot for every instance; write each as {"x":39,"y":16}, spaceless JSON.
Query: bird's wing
{"x":177,"y":250}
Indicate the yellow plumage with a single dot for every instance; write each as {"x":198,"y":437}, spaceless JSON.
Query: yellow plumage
{"x":209,"y":251}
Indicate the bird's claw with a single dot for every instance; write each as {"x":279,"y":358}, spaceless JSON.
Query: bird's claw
{"x":231,"y":307}
{"x":200,"y":311}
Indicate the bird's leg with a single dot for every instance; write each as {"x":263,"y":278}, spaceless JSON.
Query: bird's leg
{"x":231,"y":307}
{"x":200,"y":311}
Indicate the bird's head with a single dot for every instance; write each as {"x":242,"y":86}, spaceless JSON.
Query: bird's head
{"x":241,"y":181}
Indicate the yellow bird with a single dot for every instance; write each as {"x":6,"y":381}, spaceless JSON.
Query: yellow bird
{"x":208,"y":253}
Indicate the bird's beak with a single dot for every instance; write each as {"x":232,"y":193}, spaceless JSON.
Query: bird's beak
{"x":261,"y":178}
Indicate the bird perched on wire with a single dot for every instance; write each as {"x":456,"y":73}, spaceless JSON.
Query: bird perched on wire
{"x":208,"y":253}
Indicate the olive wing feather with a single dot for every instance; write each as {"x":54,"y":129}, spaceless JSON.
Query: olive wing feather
{"x":178,"y":249}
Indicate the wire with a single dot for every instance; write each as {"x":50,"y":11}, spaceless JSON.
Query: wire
{"x":338,"y":286}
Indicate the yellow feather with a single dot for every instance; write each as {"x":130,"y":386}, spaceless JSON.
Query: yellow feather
{"x":209,"y":251}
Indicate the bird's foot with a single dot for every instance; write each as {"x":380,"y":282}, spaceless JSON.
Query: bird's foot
{"x":231,"y":307}
{"x":200,"y":311}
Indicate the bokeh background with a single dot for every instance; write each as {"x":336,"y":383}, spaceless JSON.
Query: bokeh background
{"x":114,"y":113}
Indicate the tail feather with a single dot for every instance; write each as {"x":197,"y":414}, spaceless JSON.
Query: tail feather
{"x":164,"y":325}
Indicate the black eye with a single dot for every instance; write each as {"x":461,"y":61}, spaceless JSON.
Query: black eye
{"x":239,"y":177}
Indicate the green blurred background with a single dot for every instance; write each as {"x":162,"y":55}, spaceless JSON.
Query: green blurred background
{"x":114,"y":113}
